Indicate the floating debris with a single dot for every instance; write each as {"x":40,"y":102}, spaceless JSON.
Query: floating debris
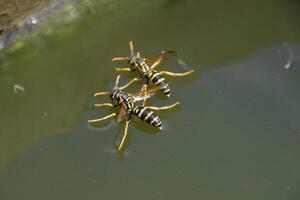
{"x":182,"y":63}
{"x":18,"y":88}
{"x":33,"y":20}
{"x":290,"y":57}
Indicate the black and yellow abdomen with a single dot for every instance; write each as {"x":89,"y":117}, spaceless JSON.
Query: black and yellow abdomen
{"x":148,"y":116}
{"x":157,"y":79}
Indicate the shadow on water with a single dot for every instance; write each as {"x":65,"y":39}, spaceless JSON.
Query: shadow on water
{"x":235,"y":135}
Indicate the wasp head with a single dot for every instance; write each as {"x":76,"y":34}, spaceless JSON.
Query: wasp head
{"x":132,"y":60}
{"x":114,"y":94}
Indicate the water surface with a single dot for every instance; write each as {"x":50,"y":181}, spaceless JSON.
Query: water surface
{"x":235,"y":136}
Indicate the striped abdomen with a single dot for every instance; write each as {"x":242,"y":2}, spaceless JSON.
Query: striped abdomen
{"x":148,"y":116}
{"x":159,"y":81}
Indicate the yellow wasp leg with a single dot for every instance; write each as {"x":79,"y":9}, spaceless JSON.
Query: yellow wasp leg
{"x":120,"y":147}
{"x":176,"y":74}
{"x":103,"y":118}
{"x":163,"y":108}
{"x":123,"y":69}
{"x":117,"y":80}
{"x":156,"y":63}
{"x":104,"y":104}
{"x":129,"y":83}
{"x":100,"y":93}
{"x":144,"y":89}
{"x":131,"y":45}
{"x":119,"y":58}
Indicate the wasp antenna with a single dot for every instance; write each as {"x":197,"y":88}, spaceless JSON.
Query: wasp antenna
{"x":117,"y":81}
{"x":131,"y":46}
{"x":172,"y":52}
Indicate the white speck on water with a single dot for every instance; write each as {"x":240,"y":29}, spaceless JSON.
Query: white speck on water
{"x":93,"y":181}
{"x":33,"y":20}
{"x":140,"y":181}
{"x":158,"y":167}
{"x":45,"y":114}
{"x":18,"y":88}
{"x":290,"y":56}
{"x":183,"y":64}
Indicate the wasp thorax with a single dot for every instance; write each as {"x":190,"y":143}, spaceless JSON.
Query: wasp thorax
{"x":125,"y":96}
{"x":139,"y":61}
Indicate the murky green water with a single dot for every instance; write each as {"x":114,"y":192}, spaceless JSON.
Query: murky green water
{"x":235,"y":136}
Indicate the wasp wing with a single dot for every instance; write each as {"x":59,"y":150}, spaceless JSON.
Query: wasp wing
{"x":122,"y":114}
{"x":145,"y":94}
{"x":151,"y":59}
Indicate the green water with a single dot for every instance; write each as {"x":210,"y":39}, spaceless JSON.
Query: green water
{"x":236,"y":134}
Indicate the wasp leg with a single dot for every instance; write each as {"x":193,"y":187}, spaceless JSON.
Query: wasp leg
{"x":100,"y":93}
{"x":129,"y":83}
{"x":163,"y":108}
{"x":156,"y":63}
{"x":104,"y":104}
{"x":120,"y":146}
{"x":123,"y":69}
{"x":144,"y":89}
{"x":131,"y":46}
{"x":119,"y":58}
{"x":103,"y":118}
{"x":176,"y":74}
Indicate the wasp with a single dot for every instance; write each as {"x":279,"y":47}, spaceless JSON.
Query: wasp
{"x":126,"y":103}
{"x":148,"y":72}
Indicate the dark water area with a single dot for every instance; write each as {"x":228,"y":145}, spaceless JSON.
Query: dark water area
{"x":235,"y":135}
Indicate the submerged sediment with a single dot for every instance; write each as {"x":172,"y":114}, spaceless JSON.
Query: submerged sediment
{"x":12,"y":12}
{"x":19,"y":16}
